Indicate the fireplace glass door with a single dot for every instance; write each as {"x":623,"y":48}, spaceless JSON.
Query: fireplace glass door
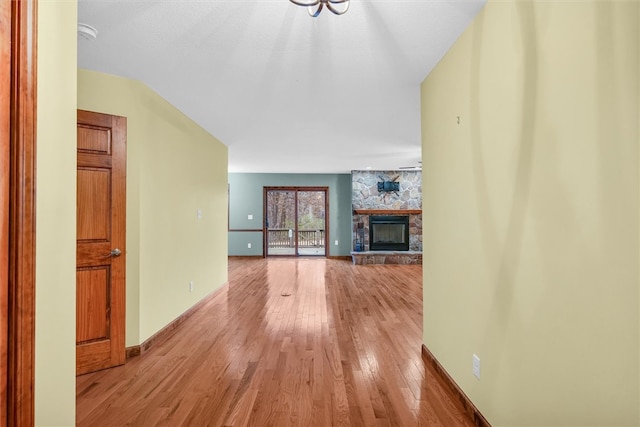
{"x":389,"y":233}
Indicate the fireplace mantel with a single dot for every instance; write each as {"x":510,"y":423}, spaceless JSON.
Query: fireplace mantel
{"x":387,"y":211}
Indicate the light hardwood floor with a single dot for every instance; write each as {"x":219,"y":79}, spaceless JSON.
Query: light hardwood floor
{"x":288,"y":342}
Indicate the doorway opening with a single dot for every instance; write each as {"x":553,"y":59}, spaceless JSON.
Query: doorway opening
{"x":296,"y":221}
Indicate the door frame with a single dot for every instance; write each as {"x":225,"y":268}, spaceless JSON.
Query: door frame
{"x":18,"y":368}
{"x":296,"y":189}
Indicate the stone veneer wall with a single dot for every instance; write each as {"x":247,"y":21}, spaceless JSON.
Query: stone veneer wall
{"x":365,"y":195}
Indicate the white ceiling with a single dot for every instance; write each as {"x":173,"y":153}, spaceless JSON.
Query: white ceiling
{"x":285,"y":92}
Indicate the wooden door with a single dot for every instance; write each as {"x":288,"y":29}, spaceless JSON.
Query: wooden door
{"x":100,"y":264}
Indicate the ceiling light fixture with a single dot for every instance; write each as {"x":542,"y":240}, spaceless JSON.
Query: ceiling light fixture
{"x":314,"y":7}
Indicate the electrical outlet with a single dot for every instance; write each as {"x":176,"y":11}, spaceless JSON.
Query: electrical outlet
{"x":249,"y":216}
{"x":191,"y":286}
{"x":249,"y":245}
{"x":476,"y":366}
{"x":336,"y":243}
{"x":199,"y":214}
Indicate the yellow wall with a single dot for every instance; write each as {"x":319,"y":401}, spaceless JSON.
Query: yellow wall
{"x":531,"y":212}
{"x":55,"y":398}
{"x":174,"y":168}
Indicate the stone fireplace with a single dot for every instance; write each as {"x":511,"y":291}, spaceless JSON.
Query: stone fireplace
{"x":378,"y":210}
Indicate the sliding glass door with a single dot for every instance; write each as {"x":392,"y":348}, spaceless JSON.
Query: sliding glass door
{"x":311,"y":222}
{"x":281,"y":222}
{"x":295,"y":221}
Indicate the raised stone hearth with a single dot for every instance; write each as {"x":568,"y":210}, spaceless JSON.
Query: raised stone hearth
{"x":386,"y":257}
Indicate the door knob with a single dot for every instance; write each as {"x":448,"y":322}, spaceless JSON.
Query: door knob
{"x":115,"y":252}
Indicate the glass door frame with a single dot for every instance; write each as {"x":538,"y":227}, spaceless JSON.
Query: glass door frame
{"x":296,"y":189}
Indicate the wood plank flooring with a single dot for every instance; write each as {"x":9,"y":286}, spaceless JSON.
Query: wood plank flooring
{"x":288,"y":342}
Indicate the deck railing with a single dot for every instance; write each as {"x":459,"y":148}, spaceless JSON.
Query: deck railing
{"x":279,"y":238}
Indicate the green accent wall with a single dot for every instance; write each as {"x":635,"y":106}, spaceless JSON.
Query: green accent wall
{"x":531,"y":242}
{"x":246,"y":198}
